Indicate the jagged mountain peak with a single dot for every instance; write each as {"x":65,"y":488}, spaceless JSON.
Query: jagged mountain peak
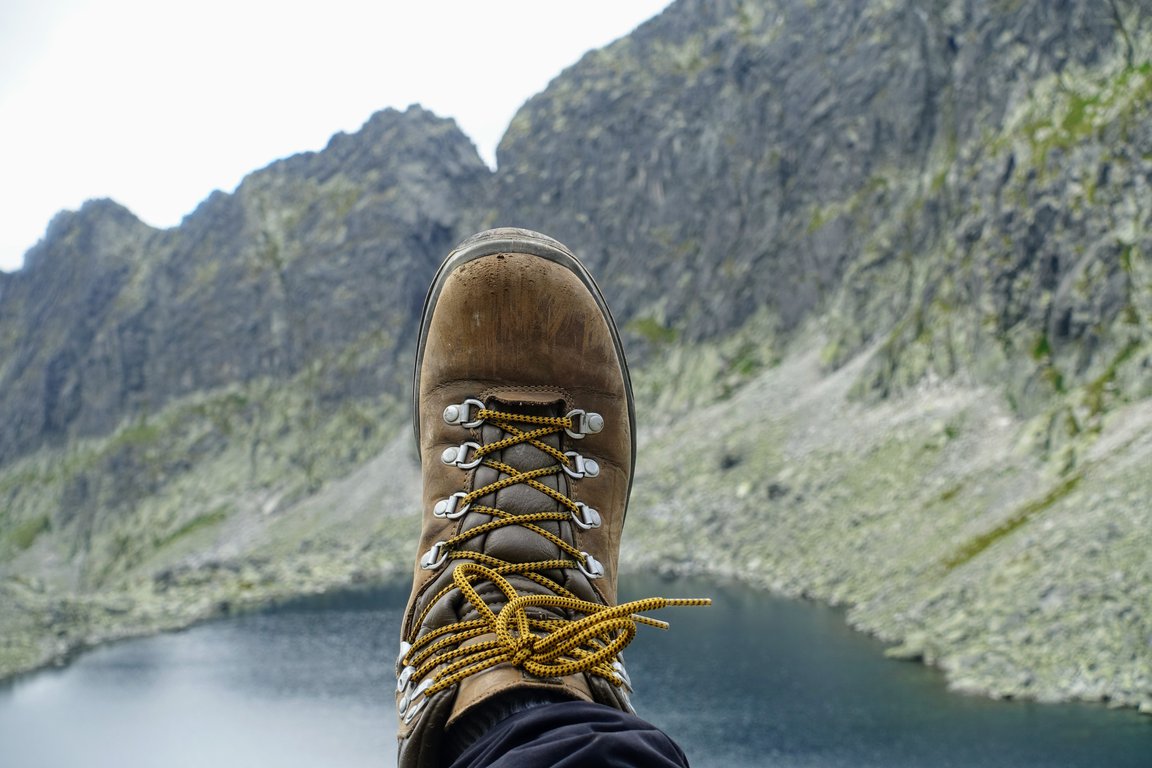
{"x":91,"y":232}
{"x":306,"y":257}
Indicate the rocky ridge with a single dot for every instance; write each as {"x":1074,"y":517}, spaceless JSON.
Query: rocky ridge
{"x":884,"y":266}
{"x":312,"y":257}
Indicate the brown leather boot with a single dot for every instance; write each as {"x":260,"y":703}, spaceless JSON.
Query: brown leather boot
{"x":524,"y":419}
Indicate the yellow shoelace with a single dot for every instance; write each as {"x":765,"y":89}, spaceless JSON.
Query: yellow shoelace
{"x":541,"y":647}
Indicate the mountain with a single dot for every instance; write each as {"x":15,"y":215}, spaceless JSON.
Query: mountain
{"x":111,"y":319}
{"x":882,"y":269}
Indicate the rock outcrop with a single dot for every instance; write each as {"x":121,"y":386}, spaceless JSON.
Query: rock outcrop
{"x":316,"y":253}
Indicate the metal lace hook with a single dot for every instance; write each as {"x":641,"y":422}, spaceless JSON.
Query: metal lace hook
{"x":587,"y":518}
{"x":584,"y":423}
{"x":458,"y":413}
{"x":458,"y":455}
{"x":582,"y":467}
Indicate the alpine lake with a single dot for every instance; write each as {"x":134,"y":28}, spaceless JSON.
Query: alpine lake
{"x":753,"y":680}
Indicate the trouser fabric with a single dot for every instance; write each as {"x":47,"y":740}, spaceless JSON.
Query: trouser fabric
{"x":573,"y":734}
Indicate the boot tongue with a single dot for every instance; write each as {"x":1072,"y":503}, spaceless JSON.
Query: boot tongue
{"x":515,"y":399}
{"x":516,"y":544}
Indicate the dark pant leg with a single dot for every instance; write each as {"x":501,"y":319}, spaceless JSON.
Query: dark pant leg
{"x":573,"y":734}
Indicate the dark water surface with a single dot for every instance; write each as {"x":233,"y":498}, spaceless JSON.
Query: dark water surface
{"x":752,"y":681}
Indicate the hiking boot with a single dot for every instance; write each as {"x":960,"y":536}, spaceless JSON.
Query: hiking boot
{"x":524,"y":419}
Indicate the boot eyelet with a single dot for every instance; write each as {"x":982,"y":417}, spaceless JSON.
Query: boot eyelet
{"x":593,"y":569}
{"x":434,"y":557}
{"x":414,"y":701}
{"x":618,"y":668}
{"x":584,"y":423}
{"x":458,"y":413}
{"x":588,"y":517}
{"x":402,"y":680}
{"x":449,"y":508}
{"x":584,"y":467}
{"x":458,"y":455}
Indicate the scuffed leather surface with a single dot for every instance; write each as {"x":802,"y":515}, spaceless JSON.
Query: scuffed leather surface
{"x":522,"y":333}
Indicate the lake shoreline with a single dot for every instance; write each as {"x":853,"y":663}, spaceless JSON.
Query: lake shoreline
{"x":114,"y":618}
{"x":308,"y":681}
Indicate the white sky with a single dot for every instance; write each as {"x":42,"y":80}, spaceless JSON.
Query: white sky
{"x":156,"y":103}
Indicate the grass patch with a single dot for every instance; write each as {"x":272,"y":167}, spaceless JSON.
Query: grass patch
{"x":653,"y":330}
{"x":142,"y":433}
{"x":950,"y":493}
{"x":200,"y":523}
{"x":1042,"y":350}
{"x":974,"y":548}
{"x":25,"y":534}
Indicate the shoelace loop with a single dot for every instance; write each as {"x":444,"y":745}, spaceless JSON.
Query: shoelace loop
{"x":545,"y":647}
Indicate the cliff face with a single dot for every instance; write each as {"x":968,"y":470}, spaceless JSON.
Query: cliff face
{"x":1037,"y":268}
{"x":910,"y":238}
{"x":52,"y":312}
{"x":729,"y":156}
{"x":111,"y":319}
